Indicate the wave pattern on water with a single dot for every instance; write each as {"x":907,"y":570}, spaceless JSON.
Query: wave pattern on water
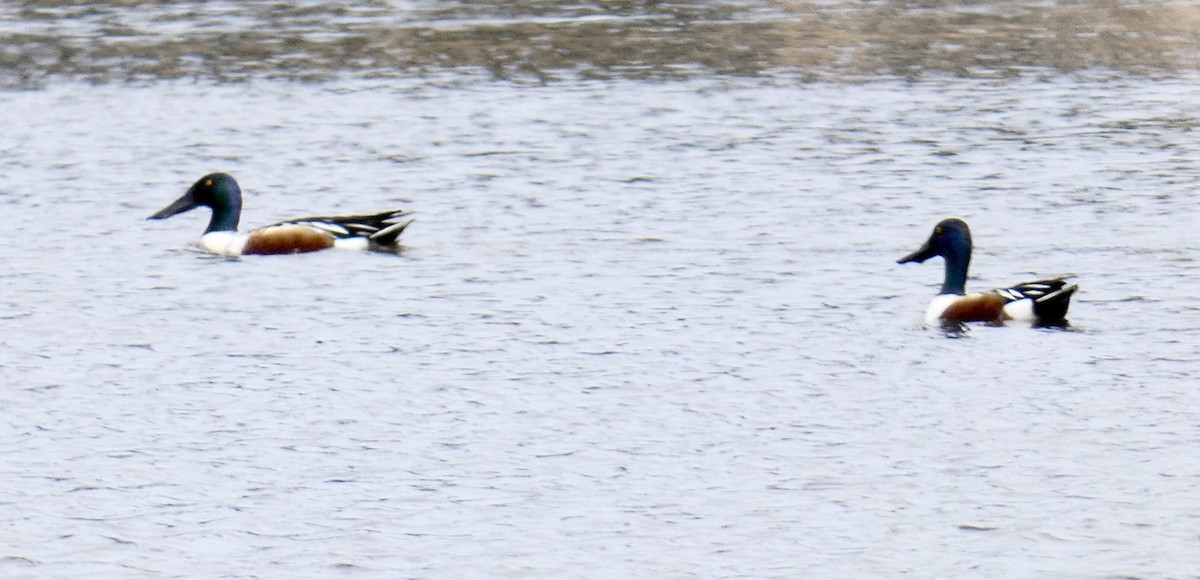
{"x":642,"y":329}
{"x":141,"y":40}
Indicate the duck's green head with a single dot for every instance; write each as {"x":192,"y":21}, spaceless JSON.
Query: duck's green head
{"x":951,"y":239}
{"x":218,"y":191}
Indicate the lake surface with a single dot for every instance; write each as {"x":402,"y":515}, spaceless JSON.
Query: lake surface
{"x":648,"y":322}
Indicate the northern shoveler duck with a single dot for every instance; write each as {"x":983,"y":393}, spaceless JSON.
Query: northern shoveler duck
{"x":219,"y":191}
{"x":1041,"y":302}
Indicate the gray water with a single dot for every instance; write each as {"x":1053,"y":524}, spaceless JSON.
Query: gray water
{"x":643,"y":328}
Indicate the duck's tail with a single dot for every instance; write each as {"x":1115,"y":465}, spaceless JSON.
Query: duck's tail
{"x":387,"y":239}
{"x":1051,"y":299}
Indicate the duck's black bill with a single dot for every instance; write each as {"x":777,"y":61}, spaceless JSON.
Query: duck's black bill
{"x":926,"y":252}
{"x":180,"y":205}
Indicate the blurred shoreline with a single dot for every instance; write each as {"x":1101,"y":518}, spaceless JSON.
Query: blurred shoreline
{"x":141,"y":40}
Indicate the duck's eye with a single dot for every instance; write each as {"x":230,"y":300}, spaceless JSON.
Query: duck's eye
{"x":938,"y":230}
{"x":207,"y":183}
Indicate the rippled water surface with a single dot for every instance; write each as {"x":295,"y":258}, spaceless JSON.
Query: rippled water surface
{"x":544,"y":40}
{"x":643,"y":327}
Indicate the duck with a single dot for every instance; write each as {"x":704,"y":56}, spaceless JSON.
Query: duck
{"x":1039,"y":302}
{"x":221,"y":193}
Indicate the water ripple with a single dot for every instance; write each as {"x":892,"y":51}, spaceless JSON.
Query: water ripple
{"x":642,"y":329}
